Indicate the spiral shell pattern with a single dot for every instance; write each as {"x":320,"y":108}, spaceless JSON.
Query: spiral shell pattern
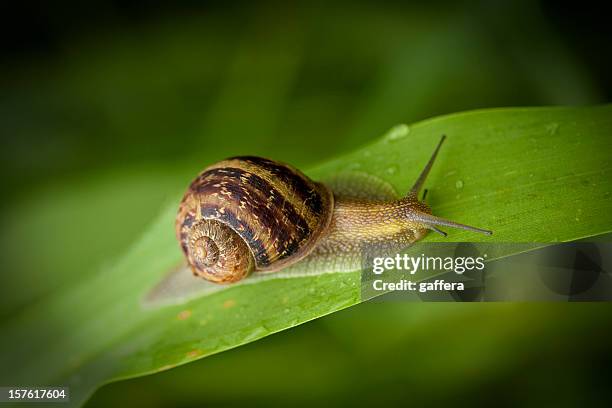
{"x":273,"y":208}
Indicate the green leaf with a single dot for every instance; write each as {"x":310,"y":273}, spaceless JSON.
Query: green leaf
{"x":529,"y":174}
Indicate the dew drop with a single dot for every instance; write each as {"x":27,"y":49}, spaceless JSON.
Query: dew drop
{"x":396,"y":133}
{"x":552,"y":128}
{"x":391,"y":170}
{"x":459,"y":184}
{"x":353,"y":166}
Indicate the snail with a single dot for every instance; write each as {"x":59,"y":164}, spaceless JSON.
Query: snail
{"x":248,"y":213}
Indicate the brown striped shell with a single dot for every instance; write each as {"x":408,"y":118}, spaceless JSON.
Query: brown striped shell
{"x":249,"y":213}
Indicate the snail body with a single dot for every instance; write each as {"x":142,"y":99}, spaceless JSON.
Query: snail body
{"x":249,"y":214}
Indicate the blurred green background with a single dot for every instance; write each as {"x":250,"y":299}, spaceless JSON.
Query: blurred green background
{"x":108,"y":108}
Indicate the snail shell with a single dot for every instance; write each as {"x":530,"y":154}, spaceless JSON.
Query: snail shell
{"x":250,"y":213}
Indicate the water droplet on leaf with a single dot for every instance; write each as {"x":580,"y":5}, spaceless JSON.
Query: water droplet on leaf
{"x":353,"y":166}
{"x":552,"y":128}
{"x":391,"y":170}
{"x":396,"y":133}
